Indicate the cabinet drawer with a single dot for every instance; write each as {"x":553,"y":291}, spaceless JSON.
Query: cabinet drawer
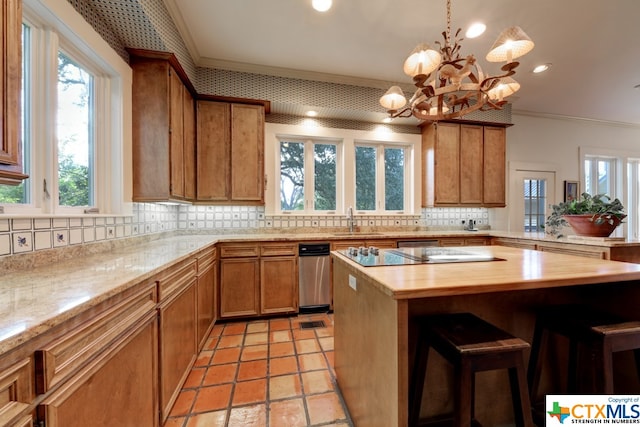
{"x":16,"y":392}
{"x":231,"y":250}
{"x":278,"y":249}
{"x":206,"y":258}
{"x":176,"y":278}
{"x":63,"y":357}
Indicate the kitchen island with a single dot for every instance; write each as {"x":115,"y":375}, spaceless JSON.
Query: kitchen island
{"x":374,"y":332}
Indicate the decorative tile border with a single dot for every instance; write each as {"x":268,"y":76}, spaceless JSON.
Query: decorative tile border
{"x":21,"y":235}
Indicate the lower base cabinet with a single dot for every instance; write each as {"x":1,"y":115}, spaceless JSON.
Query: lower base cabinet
{"x":115,"y":389}
{"x":278,"y":285}
{"x":239,"y":279}
{"x":177,"y":344}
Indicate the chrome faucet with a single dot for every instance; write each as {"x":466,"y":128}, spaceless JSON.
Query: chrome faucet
{"x":351,"y":222}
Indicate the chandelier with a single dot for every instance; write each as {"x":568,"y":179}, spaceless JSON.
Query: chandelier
{"x":449,"y":85}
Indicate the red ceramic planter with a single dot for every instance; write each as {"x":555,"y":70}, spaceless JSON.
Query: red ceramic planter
{"x":584,"y":225}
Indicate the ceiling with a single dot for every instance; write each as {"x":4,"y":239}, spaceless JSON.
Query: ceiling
{"x":591,"y":44}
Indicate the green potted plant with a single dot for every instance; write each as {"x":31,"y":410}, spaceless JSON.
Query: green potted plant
{"x":593,"y":216}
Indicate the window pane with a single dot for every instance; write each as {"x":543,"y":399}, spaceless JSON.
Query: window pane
{"x":75,"y":133}
{"x":394,"y":179}
{"x":291,"y":176}
{"x":365,"y":178}
{"x":19,"y":193}
{"x":588,"y":188}
{"x":604,"y":177}
{"x":324,"y":195}
{"x":535,"y":195}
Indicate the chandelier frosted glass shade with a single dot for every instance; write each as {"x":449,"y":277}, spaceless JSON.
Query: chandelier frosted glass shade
{"x":422,"y":60}
{"x":393,"y":99}
{"x":506,"y":87}
{"x":512,"y":43}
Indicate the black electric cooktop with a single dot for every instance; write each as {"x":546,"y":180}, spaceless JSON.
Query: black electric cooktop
{"x":372,"y":256}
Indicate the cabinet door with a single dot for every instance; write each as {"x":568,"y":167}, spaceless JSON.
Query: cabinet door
{"x":206,"y":301}
{"x":471,"y":164}
{"x":213,"y":150}
{"x":239,"y":281}
{"x":150,"y":127}
{"x":177,"y":344}
{"x":16,"y":389}
{"x":447,"y":164}
{"x":494,"y":166}
{"x":10,"y":85}
{"x":116,"y":389}
{"x":247,"y":153}
{"x":189,"y":133}
{"x":278,"y":285}
{"x":176,"y":136}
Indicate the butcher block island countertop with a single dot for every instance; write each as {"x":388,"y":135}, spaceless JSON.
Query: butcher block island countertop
{"x":374,"y":309}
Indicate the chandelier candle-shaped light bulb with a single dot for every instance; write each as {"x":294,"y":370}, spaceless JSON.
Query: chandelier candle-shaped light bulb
{"x":422,"y":60}
{"x":393,"y":99}
{"x":512,"y":43}
{"x":506,"y":87}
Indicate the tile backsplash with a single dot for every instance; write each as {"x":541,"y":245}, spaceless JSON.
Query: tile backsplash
{"x":28,"y":234}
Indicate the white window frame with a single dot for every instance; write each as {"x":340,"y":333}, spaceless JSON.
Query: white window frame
{"x":55,"y":25}
{"x":309,"y":173}
{"x":380,"y":146}
{"x":620,"y":160}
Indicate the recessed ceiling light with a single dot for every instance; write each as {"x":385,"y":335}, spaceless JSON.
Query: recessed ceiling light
{"x":321,"y":5}
{"x":541,"y":68}
{"x":311,"y":113}
{"x":387,"y":120}
{"x":475,"y":30}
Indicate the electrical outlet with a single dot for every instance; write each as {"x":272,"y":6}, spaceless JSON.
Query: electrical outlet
{"x":352,"y":283}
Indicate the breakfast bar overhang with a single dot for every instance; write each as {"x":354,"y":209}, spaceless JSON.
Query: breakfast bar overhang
{"x":374,"y":308}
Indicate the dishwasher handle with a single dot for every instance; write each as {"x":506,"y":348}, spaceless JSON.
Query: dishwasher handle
{"x":314,"y":249}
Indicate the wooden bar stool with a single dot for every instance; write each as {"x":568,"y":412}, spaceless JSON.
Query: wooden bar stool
{"x":597,"y":333}
{"x":471,"y":345}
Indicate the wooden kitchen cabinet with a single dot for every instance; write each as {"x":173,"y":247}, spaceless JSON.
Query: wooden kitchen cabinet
{"x":463,"y":164}
{"x":163,"y":129}
{"x":108,"y":355}
{"x":11,"y":171}
{"x":206,"y":291}
{"x":464,"y":241}
{"x":115,"y":388}
{"x":16,"y":391}
{"x":278,"y":278}
{"x":239,"y":280}
{"x":258,"y":279}
{"x":494,"y":167}
{"x":177,"y":310}
{"x":230,"y":151}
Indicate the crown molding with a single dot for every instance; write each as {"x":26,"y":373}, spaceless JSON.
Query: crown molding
{"x":573,"y":118}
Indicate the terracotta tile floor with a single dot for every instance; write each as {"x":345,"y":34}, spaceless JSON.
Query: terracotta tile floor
{"x":266,"y":372}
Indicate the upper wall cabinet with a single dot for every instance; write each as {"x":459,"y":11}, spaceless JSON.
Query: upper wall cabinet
{"x":10,"y":81}
{"x":463,"y":164}
{"x":230,"y":152}
{"x":163,"y":129}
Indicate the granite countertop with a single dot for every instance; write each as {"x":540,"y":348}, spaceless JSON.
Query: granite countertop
{"x":35,"y":299}
{"x":38,"y":299}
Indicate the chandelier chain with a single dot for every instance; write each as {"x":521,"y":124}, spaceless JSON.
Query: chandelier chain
{"x":448,"y":36}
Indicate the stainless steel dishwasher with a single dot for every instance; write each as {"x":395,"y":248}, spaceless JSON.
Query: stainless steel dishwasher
{"x":314,"y":265}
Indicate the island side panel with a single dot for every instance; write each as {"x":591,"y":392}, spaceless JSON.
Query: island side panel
{"x":370,"y":332}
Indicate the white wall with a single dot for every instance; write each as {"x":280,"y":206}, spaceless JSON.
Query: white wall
{"x":556,"y":141}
